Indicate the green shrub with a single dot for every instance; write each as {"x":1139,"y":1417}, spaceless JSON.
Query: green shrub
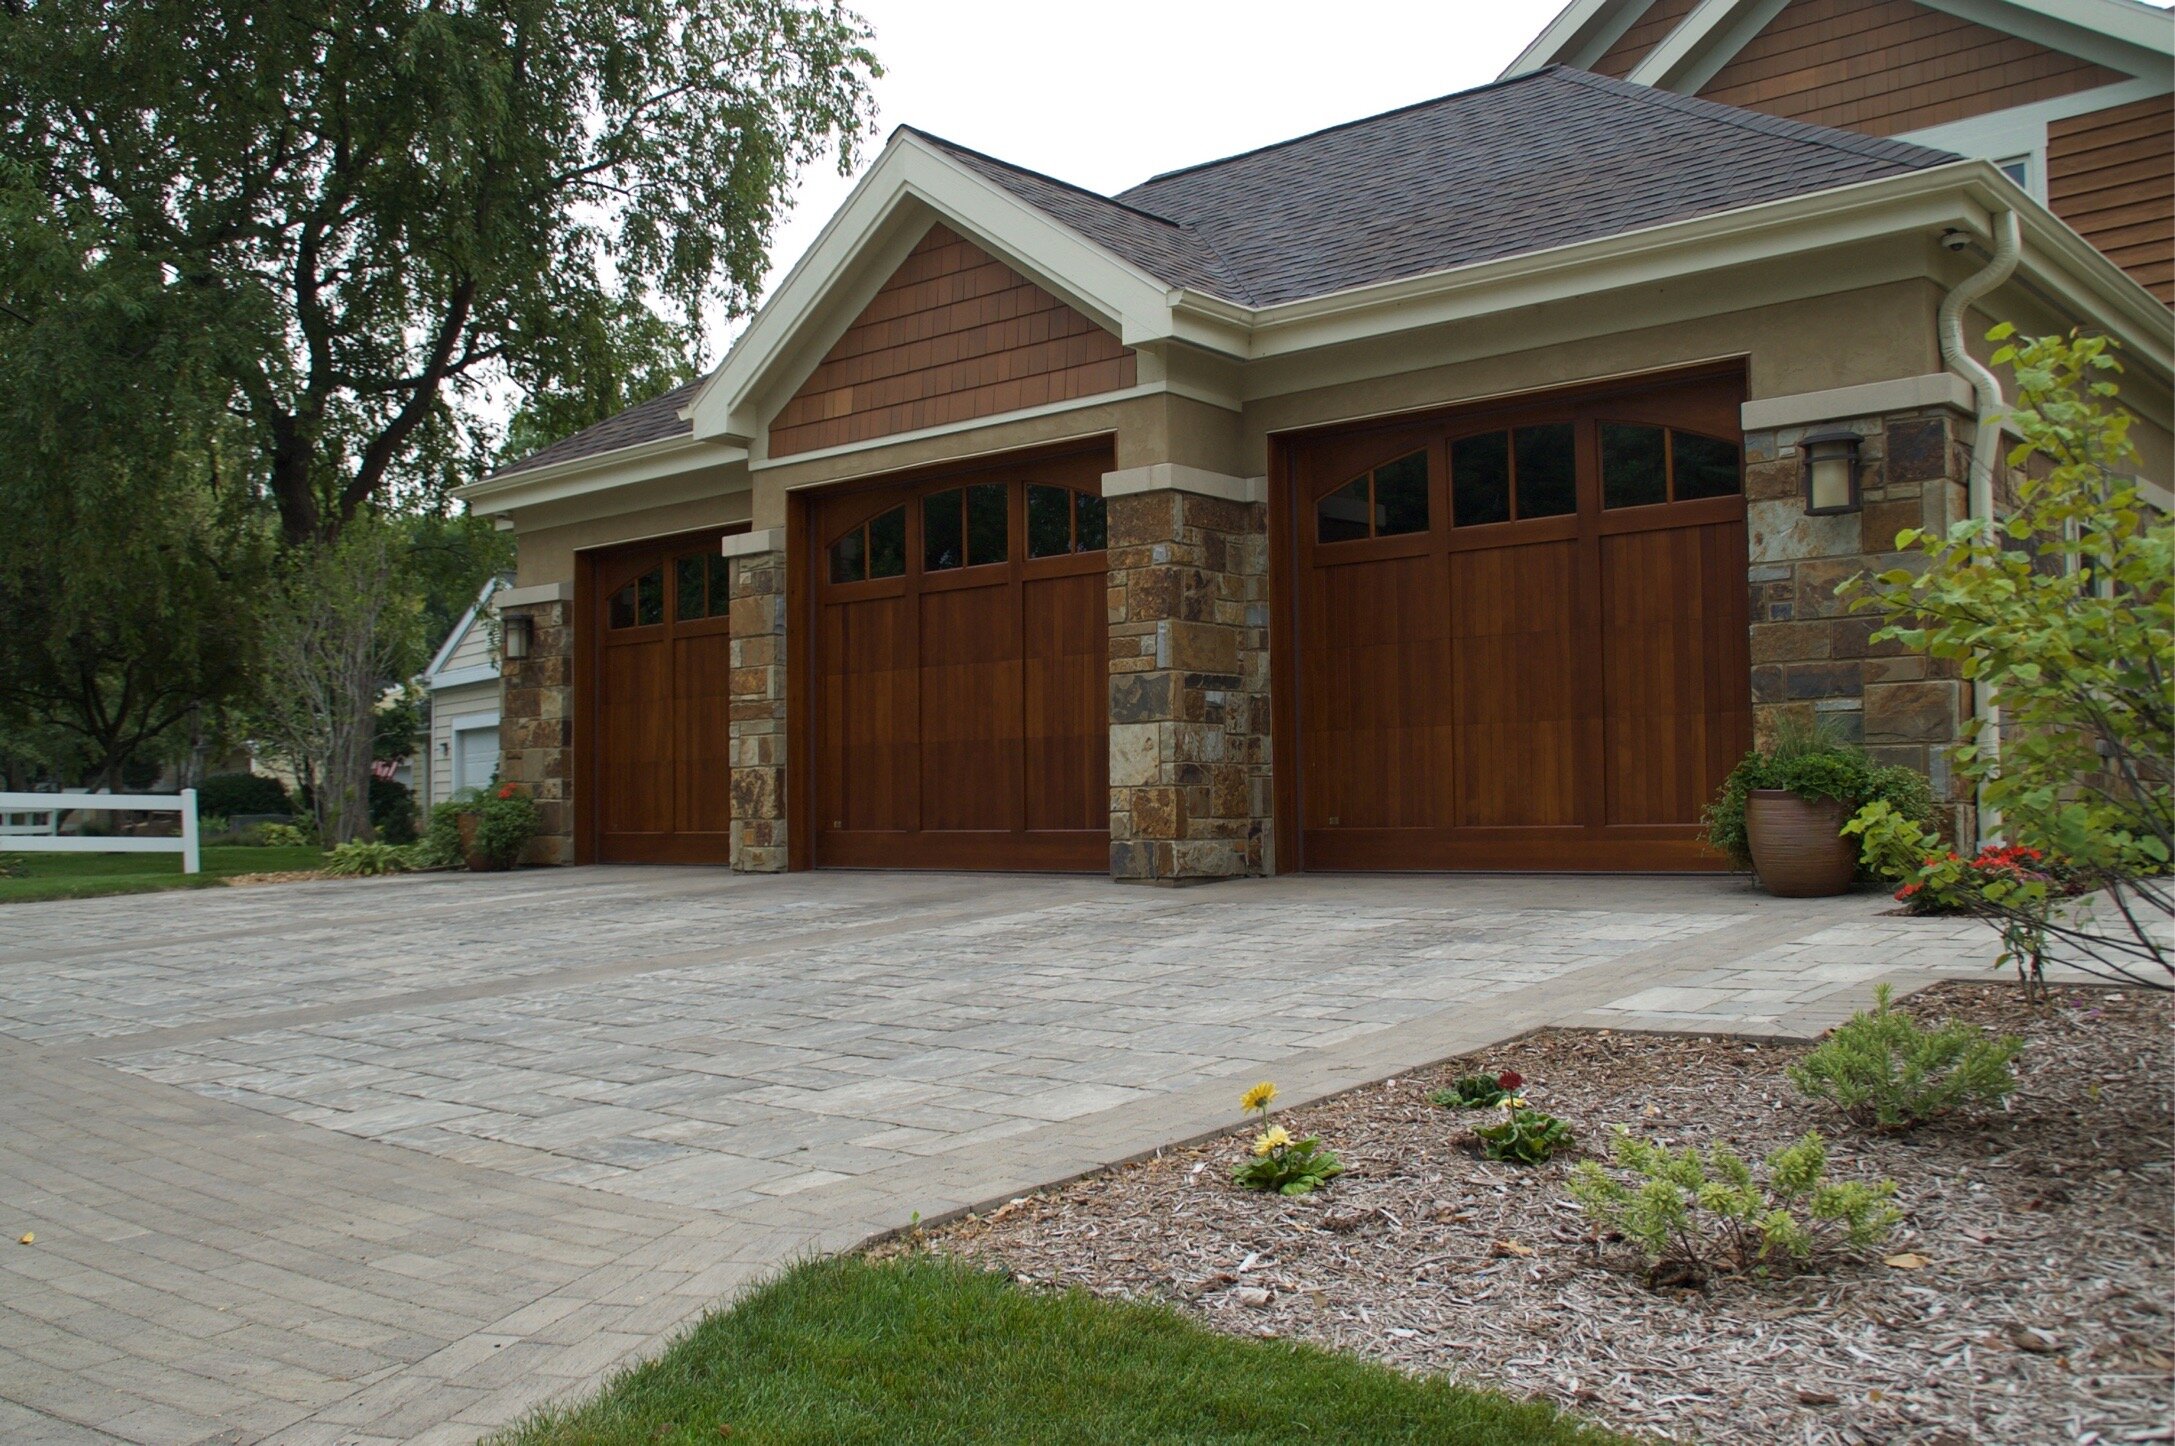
{"x":505,"y":822}
{"x":1692,"y":1216}
{"x":1884,"y":1072}
{"x":1810,"y":762}
{"x":392,"y":810}
{"x":440,"y":845}
{"x":1477,"y":1091}
{"x":361,"y":859}
{"x":1523,"y":1136}
{"x":228,"y":794}
{"x":285,"y":835}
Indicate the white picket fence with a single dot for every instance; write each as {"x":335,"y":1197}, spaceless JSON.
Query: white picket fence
{"x":29,"y":837}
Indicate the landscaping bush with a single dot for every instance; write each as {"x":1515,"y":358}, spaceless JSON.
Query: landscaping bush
{"x":229,"y":794}
{"x":1692,"y":1216}
{"x":1811,"y":763}
{"x":392,"y":811}
{"x":358,"y":859}
{"x":286,"y":835}
{"x":1477,"y":1091}
{"x":440,"y":845}
{"x":505,"y":822}
{"x":1277,"y":1161}
{"x":1884,"y":1072}
{"x":1523,"y":1136}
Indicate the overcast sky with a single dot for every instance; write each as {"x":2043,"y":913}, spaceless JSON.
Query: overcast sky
{"x":1109,"y":92}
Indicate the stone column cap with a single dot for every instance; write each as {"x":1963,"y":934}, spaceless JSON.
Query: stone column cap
{"x":747,"y":544}
{"x":534,"y":593}
{"x":1177,"y":477}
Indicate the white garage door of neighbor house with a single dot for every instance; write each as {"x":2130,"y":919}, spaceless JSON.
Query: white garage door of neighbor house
{"x":475,"y":756}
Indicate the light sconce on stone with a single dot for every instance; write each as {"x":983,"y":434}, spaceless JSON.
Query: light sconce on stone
{"x":519,"y":631}
{"x":1831,"y":473}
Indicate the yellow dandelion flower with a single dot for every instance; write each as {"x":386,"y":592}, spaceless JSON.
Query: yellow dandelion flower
{"x":1258,"y":1097}
{"x":1273,"y":1138}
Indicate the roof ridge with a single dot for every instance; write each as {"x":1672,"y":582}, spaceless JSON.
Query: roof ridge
{"x":1496,"y":84}
{"x":1074,"y":187}
{"x":1835,"y":138}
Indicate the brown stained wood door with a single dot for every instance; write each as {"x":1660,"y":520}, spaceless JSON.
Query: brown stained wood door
{"x":961,"y":672}
{"x":662,"y":651}
{"x":1521,"y":634}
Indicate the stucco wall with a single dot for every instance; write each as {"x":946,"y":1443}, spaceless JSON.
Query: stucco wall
{"x":547,"y":550}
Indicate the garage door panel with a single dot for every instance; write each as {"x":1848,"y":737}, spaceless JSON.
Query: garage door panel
{"x":872,"y":693}
{"x":1066,"y":704}
{"x":1516,"y":681}
{"x":702,"y":694}
{"x":1381,"y":692}
{"x":635,"y":727}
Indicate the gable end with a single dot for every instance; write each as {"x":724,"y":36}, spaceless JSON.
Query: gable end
{"x":954,"y":335}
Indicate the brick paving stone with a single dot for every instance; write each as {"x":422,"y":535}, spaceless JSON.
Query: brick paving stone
{"x":402,"y":1159}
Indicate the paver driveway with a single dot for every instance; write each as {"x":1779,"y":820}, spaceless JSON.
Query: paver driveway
{"x":397,"y":1160}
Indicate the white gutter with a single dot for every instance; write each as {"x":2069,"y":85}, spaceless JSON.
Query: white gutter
{"x":1985,"y":445}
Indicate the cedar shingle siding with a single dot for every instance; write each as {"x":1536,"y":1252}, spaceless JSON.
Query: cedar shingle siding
{"x":2111,"y":174}
{"x":1889,"y":66}
{"x":953,"y":335}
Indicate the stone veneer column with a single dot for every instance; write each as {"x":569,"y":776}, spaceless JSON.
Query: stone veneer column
{"x":1190,"y":795}
{"x":1812,"y":657}
{"x":536,"y":715}
{"x":757,"y":727}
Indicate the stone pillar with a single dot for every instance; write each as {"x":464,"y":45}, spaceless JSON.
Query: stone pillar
{"x":1190,"y":795}
{"x":536,"y":715}
{"x":757,"y":726}
{"x":1812,"y":657}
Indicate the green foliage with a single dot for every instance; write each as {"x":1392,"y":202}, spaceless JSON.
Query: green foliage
{"x":1692,"y":1215}
{"x":1810,"y":763}
{"x":1883,"y":1071}
{"x":14,"y":866}
{"x":361,"y":859}
{"x":926,"y":1350}
{"x":505,"y":822}
{"x":1523,"y":1136}
{"x":287,"y":835}
{"x":1276,"y":1161}
{"x":2064,"y":609}
{"x":440,"y":845}
{"x":229,"y":794}
{"x":1475,"y":1091}
{"x":392,"y":810}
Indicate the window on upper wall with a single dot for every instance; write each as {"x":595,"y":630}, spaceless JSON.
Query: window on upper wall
{"x":702,"y":586}
{"x":875,"y":549}
{"x":1514,"y":475}
{"x":640,"y":603}
{"x":2017,"y":169}
{"x":1061,"y":521}
{"x":1388,"y":501}
{"x":965,"y":527}
{"x":1643,"y":465}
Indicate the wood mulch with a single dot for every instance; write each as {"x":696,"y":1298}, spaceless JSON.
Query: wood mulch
{"x":2041,"y":1313}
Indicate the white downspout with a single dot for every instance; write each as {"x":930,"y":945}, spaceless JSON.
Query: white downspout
{"x":1985,"y":442}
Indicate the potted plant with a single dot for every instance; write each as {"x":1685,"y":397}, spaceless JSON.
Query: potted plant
{"x":485,"y":830}
{"x":1782,"y":809}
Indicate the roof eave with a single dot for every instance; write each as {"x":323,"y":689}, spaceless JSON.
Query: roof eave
{"x":597,"y":472}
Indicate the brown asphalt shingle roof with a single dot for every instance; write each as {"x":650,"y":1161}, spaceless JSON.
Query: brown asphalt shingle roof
{"x":650,"y":421}
{"x":1546,"y":159}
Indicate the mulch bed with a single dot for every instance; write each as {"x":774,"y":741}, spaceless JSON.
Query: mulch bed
{"x":2043,"y":1313}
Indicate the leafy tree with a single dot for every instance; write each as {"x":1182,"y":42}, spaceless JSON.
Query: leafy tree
{"x":384,"y":205}
{"x":2065,"y":608}
{"x":130,"y":526}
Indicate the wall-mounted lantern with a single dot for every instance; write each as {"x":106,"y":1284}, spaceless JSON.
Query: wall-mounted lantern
{"x":518,"y":631}
{"x":1831,"y":472}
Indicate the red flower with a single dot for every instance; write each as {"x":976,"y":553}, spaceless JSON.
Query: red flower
{"x":1908,"y":889}
{"x":1509,"y":1079}
{"x":507,"y":790}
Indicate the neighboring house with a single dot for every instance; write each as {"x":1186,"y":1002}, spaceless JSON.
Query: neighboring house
{"x":2073,"y":99}
{"x":1423,"y":493}
{"x":463,"y":683}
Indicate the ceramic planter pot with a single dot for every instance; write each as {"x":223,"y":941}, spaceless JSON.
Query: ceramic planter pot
{"x":479,"y":862}
{"x":1797,"y":845}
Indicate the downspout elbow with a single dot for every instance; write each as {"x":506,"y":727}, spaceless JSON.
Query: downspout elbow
{"x":1985,"y":440}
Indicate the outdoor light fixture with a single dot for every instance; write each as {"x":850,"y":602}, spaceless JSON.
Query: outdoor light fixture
{"x":1831,"y":473}
{"x":519,"y":631}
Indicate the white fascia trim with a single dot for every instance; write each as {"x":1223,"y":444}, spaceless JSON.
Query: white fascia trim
{"x":1675,"y":50}
{"x":972,"y":424}
{"x":1579,"y":35}
{"x":604,"y":472}
{"x":480,"y":673}
{"x":1962,"y":193}
{"x":2131,"y":38}
{"x":1114,"y":292}
{"x":1870,"y":399}
{"x":2022,"y":130}
{"x":1177,"y":477}
{"x":460,"y":629}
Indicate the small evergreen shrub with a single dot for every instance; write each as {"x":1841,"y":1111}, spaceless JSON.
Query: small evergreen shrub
{"x":1885,"y":1072}
{"x":228,"y":794}
{"x":1277,"y":1162}
{"x":1811,"y":763}
{"x":359,"y":860}
{"x":1523,"y":1136}
{"x":1477,"y":1091}
{"x":440,"y":845}
{"x":285,"y":835}
{"x":392,"y":810}
{"x":1693,"y":1216}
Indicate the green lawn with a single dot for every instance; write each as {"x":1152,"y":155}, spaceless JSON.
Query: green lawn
{"x":922,"y":1350}
{"x":80,"y":876}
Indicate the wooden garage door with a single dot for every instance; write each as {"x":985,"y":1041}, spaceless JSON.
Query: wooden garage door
{"x":1522,"y":634}
{"x":659,"y":696}
{"x":960,"y":716}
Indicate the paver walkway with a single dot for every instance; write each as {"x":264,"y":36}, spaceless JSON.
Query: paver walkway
{"x":397,"y":1160}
